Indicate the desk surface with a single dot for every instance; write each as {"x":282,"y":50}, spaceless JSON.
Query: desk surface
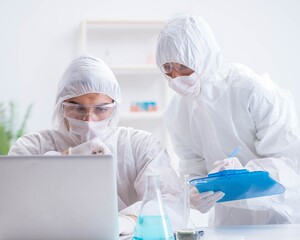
{"x":249,"y":232}
{"x":253,"y":232}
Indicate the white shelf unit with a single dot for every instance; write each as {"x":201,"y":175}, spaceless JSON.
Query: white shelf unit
{"x":128,"y":47}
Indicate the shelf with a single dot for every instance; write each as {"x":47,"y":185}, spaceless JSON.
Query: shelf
{"x":135,"y":69}
{"x":124,"y":24}
{"x":141,"y":116}
{"x":119,"y":42}
{"x":128,"y":48}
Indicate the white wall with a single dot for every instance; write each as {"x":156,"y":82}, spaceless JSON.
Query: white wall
{"x":40,"y":37}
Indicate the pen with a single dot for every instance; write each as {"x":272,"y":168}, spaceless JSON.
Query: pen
{"x":235,"y":152}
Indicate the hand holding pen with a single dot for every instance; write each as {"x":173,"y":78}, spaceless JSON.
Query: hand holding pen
{"x":235,"y":152}
{"x":228,"y":163}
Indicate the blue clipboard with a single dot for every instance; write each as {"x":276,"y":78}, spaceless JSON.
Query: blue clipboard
{"x":239,"y":184}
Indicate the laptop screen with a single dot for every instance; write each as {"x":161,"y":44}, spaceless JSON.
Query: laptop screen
{"x":58,"y":197}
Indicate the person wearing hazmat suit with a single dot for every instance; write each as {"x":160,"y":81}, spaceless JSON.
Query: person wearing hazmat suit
{"x":85,"y":122}
{"x":217,"y":108}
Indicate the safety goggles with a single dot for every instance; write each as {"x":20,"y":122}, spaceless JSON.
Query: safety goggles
{"x":168,"y":68}
{"x":81,"y":112}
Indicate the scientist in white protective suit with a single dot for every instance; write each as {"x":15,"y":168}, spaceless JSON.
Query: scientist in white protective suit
{"x":216,"y":109}
{"x":85,"y":122}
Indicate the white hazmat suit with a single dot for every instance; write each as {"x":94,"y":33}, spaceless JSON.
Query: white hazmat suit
{"x":134,"y":151}
{"x":224,"y":107}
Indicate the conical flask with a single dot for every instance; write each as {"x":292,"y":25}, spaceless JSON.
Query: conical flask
{"x":153,"y":222}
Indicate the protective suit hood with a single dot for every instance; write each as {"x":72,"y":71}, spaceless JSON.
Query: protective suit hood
{"x":188,"y":40}
{"x":86,"y":74}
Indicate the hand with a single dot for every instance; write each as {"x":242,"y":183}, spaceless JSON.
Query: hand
{"x":94,"y":146}
{"x":126,"y":224}
{"x":204,"y":201}
{"x":227,"y":163}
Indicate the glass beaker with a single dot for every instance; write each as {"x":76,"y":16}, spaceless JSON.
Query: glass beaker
{"x":153,"y":222}
{"x":186,"y":201}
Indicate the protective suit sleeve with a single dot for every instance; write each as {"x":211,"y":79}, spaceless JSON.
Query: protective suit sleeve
{"x":189,"y":162}
{"x":133,"y":209}
{"x":126,"y":225}
{"x":176,"y":119}
{"x":277,"y":134}
{"x":27,"y":145}
{"x":277,"y":140}
{"x":150,"y":155}
{"x":39,"y":143}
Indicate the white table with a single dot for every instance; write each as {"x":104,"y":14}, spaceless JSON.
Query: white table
{"x":250,"y":232}
{"x":253,"y":232}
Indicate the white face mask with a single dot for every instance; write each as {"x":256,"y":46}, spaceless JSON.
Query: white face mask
{"x":88,"y":130}
{"x":185,"y":85}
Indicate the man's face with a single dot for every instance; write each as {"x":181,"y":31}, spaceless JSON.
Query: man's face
{"x":89,"y":107}
{"x":174,"y":70}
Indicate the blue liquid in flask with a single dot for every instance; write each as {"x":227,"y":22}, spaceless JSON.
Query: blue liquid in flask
{"x":153,"y":228}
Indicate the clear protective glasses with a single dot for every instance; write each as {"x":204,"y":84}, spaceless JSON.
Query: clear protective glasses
{"x":181,"y":69}
{"x":82,"y":112}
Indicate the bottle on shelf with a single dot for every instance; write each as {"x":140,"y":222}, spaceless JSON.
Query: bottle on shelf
{"x":145,"y":106}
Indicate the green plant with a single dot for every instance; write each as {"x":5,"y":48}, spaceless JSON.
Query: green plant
{"x":9,"y":132}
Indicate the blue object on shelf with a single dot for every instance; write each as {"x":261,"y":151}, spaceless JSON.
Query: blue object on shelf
{"x":239,"y":184}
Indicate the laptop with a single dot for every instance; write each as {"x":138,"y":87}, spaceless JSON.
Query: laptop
{"x":58,"y":197}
